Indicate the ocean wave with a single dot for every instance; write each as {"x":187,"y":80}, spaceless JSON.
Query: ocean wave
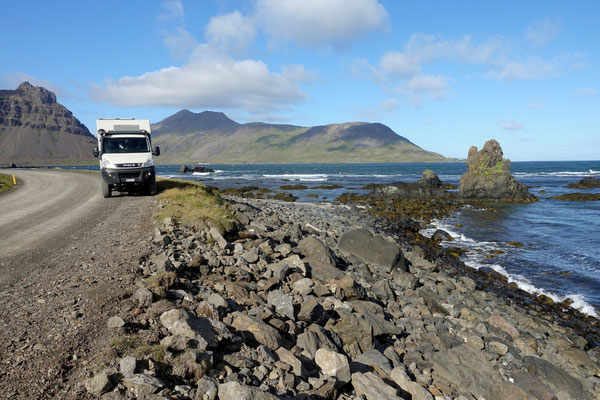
{"x":560,"y":174}
{"x":474,"y":261}
{"x":577,"y":299}
{"x":299,"y":177}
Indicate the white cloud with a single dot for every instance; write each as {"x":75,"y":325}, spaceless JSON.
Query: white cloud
{"x":433,"y":85}
{"x":389,"y":105}
{"x":511,"y":125}
{"x":172,"y":9}
{"x":542,"y":32}
{"x":532,"y":68}
{"x":428,"y":48}
{"x":399,"y":64}
{"x":585,"y":92}
{"x":320,"y":23}
{"x":180,"y":43}
{"x":535,"y":67}
{"x":231,"y":33}
{"x":218,"y":83}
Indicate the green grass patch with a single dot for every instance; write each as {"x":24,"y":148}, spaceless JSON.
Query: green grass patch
{"x":190,"y":202}
{"x":6,"y":183}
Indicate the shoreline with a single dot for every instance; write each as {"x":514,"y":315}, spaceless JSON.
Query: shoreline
{"x":292,"y":304}
{"x":577,"y":300}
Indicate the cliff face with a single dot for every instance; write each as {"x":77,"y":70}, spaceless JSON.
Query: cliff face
{"x":35,"y":129}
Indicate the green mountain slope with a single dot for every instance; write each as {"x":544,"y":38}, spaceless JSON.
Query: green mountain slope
{"x":211,"y":137}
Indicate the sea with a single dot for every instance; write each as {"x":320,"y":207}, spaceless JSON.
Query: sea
{"x":560,"y":256}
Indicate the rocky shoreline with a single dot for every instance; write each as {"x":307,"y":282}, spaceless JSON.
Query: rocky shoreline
{"x":328,"y":301}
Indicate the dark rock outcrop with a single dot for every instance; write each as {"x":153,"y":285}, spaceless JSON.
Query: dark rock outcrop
{"x":34,"y":128}
{"x":488,"y":176}
{"x":196,"y":168}
{"x":586,"y":183}
{"x":430,"y":179}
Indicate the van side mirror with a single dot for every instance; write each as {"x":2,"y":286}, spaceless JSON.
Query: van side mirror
{"x":95,"y":152}
{"x":156,"y":151}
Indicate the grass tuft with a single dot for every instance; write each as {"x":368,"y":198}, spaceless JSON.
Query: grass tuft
{"x":190,"y":202}
{"x":6,"y":183}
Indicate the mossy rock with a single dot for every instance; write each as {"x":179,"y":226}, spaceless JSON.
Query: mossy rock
{"x":578,"y":197}
{"x":293,"y":187}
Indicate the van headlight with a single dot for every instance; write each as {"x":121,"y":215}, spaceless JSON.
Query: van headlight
{"x":149,"y":163}
{"x":106,"y":163}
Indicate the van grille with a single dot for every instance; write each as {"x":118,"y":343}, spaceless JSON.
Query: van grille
{"x":128,"y":175}
{"x":129,"y":165}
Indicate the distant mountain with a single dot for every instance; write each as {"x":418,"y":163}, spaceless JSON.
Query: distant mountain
{"x":36,"y":130}
{"x":212,"y":137}
{"x":188,"y":122}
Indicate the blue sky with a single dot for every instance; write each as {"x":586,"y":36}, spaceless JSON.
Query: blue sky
{"x":446,"y":75}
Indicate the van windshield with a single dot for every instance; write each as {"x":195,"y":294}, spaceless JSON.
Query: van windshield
{"x":125,"y":145}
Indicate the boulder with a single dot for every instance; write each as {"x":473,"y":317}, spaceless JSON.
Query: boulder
{"x":182,"y":323}
{"x":416,"y":391}
{"x":559,"y":381}
{"x":115,"y":322}
{"x":373,"y":387}
{"x":258,"y":329}
{"x":586,"y":183}
{"x":441,"y":236}
{"x":237,"y":391}
{"x":430,"y":179}
{"x":531,"y":384}
{"x":143,"y":386}
{"x":467,"y":370}
{"x":322,"y":261}
{"x":310,"y":310}
{"x":98,"y":384}
{"x":313,"y":339}
{"x":127,"y":366}
{"x":375,"y":250}
{"x":371,"y":359}
{"x":195,"y":168}
{"x":143,"y":297}
{"x":282,"y":302}
{"x":333,"y":364}
{"x":207,"y":388}
{"x":488,"y":176}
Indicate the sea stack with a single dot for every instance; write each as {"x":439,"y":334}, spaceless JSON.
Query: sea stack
{"x":488,"y":176}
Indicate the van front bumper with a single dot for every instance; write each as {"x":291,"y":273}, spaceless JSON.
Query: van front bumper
{"x":125,"y":176}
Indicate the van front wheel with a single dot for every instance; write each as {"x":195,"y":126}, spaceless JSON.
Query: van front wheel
{"x":105,"y":190}
{"x":152,"y":189}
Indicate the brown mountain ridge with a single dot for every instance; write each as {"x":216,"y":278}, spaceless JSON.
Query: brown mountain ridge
{"x":36,"y":130}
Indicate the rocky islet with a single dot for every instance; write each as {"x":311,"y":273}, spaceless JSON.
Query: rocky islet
{"x":287,"y":307}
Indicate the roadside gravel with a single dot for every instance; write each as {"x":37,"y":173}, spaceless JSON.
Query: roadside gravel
{"x":66,"y":261}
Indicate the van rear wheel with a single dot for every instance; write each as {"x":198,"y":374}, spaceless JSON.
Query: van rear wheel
{"x":106,"y":190}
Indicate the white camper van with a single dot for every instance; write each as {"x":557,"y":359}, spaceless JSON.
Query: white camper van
{"x":126,"y":155}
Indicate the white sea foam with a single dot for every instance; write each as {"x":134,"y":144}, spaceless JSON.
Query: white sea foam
{"x":563,"y":174}
{"x":299,"y":177}
{"x":201,"y":173}
{"x":473,"y":260}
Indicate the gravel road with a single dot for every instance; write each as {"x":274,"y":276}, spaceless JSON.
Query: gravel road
{"x":67,"y":259}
